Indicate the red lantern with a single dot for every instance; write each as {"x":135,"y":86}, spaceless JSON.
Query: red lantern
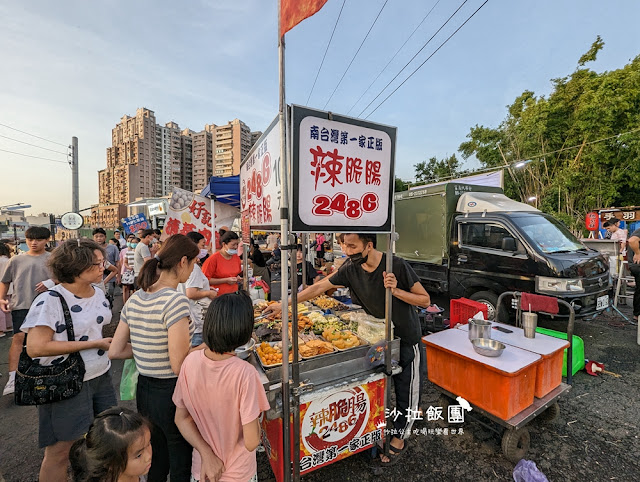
{"x":591,"y":221}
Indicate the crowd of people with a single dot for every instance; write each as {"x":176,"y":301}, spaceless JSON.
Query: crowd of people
{"x":179,"y":327}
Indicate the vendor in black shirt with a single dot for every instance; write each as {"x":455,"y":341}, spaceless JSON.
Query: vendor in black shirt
{"x":366,"y":278}
{"x":633,"y":255}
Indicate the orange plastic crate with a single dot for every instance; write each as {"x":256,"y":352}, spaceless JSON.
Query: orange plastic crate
{"x":499,"y":393}
{"x":462,"y":309}
{"x":549,"y":373}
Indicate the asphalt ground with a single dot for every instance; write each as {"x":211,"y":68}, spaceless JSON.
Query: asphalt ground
{"x":595,"y":437}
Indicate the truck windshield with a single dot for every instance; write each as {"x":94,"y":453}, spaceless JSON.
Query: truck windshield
{"x":548,"y":234}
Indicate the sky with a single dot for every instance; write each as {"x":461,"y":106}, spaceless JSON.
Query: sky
{"x":74,"y":68}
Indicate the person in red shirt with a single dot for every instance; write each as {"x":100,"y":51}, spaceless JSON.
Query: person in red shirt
{"x":223,"y":268}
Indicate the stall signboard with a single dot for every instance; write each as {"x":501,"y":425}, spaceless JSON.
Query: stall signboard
{"x":260,"y":184}
{"x":156,"y":209}
{"x":334,"y":425}
{"x":134,"y":223}
{"x":629,"y":215}
{"x":246,"y":227}
{"x":343,"y":173}
{"x":189,"y":212}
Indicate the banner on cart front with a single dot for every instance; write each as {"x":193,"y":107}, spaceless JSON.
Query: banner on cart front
{"x":343,"y":173}
{"x":333,"y":426}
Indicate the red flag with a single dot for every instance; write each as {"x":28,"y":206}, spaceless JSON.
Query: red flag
{"x":292,"y":12}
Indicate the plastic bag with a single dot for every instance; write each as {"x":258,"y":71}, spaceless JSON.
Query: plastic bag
{"x":527,"y":471}
{"x":129,"y":380}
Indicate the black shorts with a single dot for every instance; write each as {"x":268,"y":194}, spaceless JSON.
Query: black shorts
{"x":70,"y":419}
{"x":17,"y":318}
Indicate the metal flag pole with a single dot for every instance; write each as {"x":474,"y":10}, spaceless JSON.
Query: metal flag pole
{"x":305,"y":241}
{"x":388,"y":300}
{"x":284,"y":259}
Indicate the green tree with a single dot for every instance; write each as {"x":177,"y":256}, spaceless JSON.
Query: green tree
{"x":435,"y":170}
{"x":577,"y":149}
{"x":401,"y":185}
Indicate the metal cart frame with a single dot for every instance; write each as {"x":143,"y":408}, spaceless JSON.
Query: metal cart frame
{"x":515,"y":438}
{"x":572,"y":316}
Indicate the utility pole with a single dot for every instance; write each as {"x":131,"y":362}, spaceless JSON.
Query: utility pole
{"x":75,"y":196}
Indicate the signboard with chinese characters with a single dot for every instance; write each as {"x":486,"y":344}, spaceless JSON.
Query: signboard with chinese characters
{"x":71,"y":221}
{"x":134,"y":223}
{"x":189,"y":212}
{"x":260,"y":186}
{"x":628,"y":215}
{"x":343,"y":173}
{"x":334,"y":425}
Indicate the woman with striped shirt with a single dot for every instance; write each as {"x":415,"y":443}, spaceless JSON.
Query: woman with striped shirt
{"x":155,"y":329}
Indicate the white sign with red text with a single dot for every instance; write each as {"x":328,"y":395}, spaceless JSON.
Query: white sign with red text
{"x":342,"y":174}
{"x":260,"y":184}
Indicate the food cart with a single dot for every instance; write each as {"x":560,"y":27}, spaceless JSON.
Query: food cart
{"x":324,"y":407}
{"x":521,"y":384}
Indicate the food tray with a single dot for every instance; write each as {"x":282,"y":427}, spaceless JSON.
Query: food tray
{"x":362,"y":341}
{"x":263,"y":365}
{"x":322,"y":354}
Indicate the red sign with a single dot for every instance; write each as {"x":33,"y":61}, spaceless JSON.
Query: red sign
{"x":334,"y":425}
{"x":246,"y":227}
{"x":591,"y":221}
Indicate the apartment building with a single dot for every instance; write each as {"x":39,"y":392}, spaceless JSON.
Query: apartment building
{"x":231,"y":143}
{"x":131,"y":160}
{"x":147,"y":160}
{"x":202,"y":156}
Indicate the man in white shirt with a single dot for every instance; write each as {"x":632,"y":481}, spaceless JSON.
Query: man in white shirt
{"x":142,"y":253}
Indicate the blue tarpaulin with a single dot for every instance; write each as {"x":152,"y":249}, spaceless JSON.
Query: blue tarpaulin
{"x":225,"y":189}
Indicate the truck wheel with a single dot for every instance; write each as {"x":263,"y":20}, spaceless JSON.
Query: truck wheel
{"x":515,"y":444}
{"x":489,"y":299}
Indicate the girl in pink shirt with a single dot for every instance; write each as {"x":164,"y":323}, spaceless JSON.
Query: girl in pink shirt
{"x":219,"y":397}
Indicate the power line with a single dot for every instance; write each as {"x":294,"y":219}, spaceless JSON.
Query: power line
{"x":33,"y":145}
{"x":407,"y":64}
{"x":356,"y":54}
{"x":325,"y":52}
{"x":434,"y":52}
{"x":394,"y":55}
{"x":33,"y":135}
{"x":35,"y":157}
{"x":537,"y":156}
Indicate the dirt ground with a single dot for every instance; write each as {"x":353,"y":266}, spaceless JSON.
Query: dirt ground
{"x":595,"y":438}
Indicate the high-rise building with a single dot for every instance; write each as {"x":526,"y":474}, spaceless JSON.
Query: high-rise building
{"x":202,"y":159}
{"x":231,"y":143}
{"x":255,"y":136}
{"x":147,"y":160}
{"x":131,"y":160}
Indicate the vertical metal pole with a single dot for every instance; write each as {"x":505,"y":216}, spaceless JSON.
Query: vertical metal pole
{"x":245,"y":267}
{"x":305,"y":242}
{"x":284,"y":260}
{"x":15,"y":239}
{"x":388,"y":299}
{"x":75,"y":193}
{"x":52,"y":224}
{"x":295,"y":366}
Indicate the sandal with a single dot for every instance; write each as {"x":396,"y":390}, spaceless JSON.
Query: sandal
{"x":395,"y":454}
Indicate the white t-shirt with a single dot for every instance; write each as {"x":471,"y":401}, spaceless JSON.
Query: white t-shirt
{"x":197,"y":279}
{"x":142,"y":251}
{"x":89,"y":315}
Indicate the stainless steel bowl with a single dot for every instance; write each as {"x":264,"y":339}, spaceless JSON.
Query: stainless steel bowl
{"x":487,"y":347}
{"x":244,"y":350}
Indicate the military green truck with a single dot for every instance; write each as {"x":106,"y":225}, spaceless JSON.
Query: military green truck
{"x":473,"y":241}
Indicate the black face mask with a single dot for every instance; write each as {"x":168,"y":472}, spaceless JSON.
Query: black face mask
{"x":358,"y":259}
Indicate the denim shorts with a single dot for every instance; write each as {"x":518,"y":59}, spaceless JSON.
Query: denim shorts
{"x":196,"y":339}
{"x":70,"y":419}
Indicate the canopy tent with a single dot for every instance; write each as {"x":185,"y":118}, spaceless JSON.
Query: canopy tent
{"x":224,"y":189}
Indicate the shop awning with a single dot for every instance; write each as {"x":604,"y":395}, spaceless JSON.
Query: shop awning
{"x":225,"y":189}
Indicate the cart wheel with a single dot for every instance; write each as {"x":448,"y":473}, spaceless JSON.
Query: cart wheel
{"x":550,"y":414}
{"x":515,"y":444}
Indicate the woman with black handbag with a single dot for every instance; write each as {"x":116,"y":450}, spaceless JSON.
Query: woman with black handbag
{"x":61,"y":324}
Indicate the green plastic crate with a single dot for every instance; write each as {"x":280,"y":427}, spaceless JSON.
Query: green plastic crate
{"x":577,"y":348}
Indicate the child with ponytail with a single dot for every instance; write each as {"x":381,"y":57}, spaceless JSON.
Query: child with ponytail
{"x":117,"y":448}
